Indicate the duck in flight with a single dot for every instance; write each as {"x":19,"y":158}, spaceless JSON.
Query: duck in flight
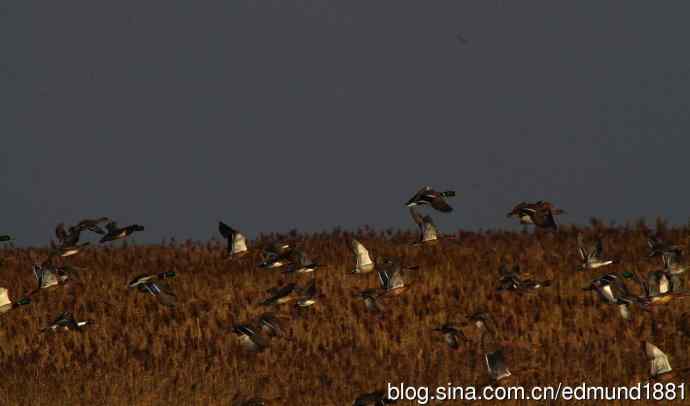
{"x":237,"y":242}
{"x":276,"y":255}
{"x":511,"y":280}
{"x":66,"y":321}
{"x":428,"y":196}
{"x":153,"y":284}
{"x":301,"y":263}
{"x":67,"y":241}
{"x":612,"y":290}
{"x":540,"y":214}
{"x":592,"y":257}
{"x":671,"y":255}
{"x":250,"y":339}
{"x":114,"y":232}
{"x":363,"y":262}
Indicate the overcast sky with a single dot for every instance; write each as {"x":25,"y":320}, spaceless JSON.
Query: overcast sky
{"x":311,"y":114}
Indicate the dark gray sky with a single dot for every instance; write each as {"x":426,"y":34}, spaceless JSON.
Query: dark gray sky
{"x":313,"y":113}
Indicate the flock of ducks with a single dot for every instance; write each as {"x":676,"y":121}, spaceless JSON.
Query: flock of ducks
{"x":49,"y":275}
{"x":659,"y":288}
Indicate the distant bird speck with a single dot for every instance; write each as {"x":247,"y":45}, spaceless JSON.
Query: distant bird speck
{"x":461,"y":39}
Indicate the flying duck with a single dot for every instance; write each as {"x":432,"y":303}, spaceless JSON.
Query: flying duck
{"x":93,"y":225}
{"x":249,"y":338}
{"x":153,"y":285}
{"x":237,"y":242}
{"x":391,"y":278}
{"x":540,"y":214}
{"x":612,"y":290}
{"x":276,"y":255}
{"x":657,"y":290}
{"x":67,"y":241}
{"x":427,"y":195}
{"x":363,"y":262}
{"x":592,"y":257}
{"x":301,"y":263}
{"x":6,"y":304}
{"x":510,"y":280}
{"x":665,"y":284}
{"x":66,"y":321}
{"x":113,"y":232}
{"x":658,"y":247}
{"x":47,"y":278}
{"x":309,"y":294}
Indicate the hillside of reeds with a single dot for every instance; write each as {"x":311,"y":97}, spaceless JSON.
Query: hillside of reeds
{"x":141,"y":353}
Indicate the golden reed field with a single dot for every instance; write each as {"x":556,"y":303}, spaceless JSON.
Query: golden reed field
{"x":141,"y":353}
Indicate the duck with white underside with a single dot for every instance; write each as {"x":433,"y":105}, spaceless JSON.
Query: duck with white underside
{"x":67,"y":322}
{"x":154,"y":285}
{"x":237,"y":242}
{"x":363,"y":262}
{"x":428,"y":196}
{"x":114,"y":232}
{"x":540,"y":214}
{"x":592,"y":257}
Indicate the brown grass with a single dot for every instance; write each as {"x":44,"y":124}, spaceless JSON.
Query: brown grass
{"x":141,"y":353}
